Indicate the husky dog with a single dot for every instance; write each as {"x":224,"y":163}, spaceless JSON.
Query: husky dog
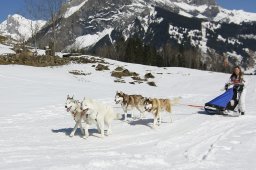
{"x":155,"y":106}
{"x":74,"y":107}
{"x":129,"y":102}
{"x":99,"y":114}
{"x":166,"y":106}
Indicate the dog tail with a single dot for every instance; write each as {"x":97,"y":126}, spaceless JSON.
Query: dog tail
{"x":168,"y":106}
{"x":175,"y":100}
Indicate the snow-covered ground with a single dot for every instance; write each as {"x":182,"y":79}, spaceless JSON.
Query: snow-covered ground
{"x":4,"y":49}
{"x":35,"y":126}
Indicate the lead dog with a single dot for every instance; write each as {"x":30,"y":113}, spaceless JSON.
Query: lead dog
{"x":74,"y":107}
{"x":99,"y":114}
{"x":156,"y":106}
{"x":129,"y":102}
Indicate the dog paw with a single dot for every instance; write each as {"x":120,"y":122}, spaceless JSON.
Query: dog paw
{"x":127,"y":121}
{"x":142,"y":117}
{"x":71,"y":135}
{"x":85,"y":136}
{"x":108,"y":133}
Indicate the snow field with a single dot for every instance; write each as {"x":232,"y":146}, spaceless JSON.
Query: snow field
{"x":35,"y":126}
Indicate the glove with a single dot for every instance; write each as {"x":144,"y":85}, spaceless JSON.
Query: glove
{"x":239,"y":87}
{"x":226,"y":86}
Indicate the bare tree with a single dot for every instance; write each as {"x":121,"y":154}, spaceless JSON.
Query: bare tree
{"x":34,"y":11}
{"x":49,"y":10}
{"x":52,"y":7}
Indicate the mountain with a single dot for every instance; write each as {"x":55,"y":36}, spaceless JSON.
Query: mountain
{"x":19,"y":28}
{"x":175,"y":30}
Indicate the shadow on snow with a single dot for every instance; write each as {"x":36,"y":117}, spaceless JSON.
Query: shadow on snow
{"x":67,"y":131}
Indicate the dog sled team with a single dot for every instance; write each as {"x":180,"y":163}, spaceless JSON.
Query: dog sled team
{"x":89,"y":111}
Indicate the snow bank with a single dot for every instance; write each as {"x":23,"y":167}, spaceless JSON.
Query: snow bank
{"x":4,"y":49}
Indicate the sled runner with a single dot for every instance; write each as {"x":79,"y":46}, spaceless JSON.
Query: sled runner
{"x":226,"y":102}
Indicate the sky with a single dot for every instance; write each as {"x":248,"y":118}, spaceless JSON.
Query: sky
{"x":11,"y":7}
{"x":246,"y":5}
{"x":18,"y":6}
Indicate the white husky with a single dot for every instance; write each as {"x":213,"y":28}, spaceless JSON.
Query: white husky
{"x":100,"y":114}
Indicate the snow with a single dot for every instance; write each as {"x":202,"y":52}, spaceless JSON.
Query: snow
{"x":70,"y":11}
{"x":201,"y":16}
{"x":235,"y":16}
{"x":235,"y":55}
{"x":183,"y":13}
{"x":203,"y":43}
{"x":35,"y":125}
{"x":225,"y":15}
{"x":144,"y":22}
{"x":41,"y":52}
{"x":220,"y":38}
{"x":233,"y":41}
{"x":89,"y":39}
{"x":4,"y":49}
{"x":248,"y":36}
{"x":188,"y":7}
{"x":174,"y":33}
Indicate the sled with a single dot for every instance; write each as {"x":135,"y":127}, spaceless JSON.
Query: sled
{"x":227,"y":101}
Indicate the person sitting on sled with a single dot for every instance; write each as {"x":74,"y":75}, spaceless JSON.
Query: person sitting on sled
{"x":238,"y":82}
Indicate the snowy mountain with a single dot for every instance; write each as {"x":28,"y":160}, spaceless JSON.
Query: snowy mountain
{"x":35,"y":126}
{"x":19,"y":28}
{"x":184,"y":26}
{"x":234,"y":16}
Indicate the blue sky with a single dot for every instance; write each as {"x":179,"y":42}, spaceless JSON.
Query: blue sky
{"x":246,"y":5}
{"x":11,"y":7}
{"x":18,"y":6}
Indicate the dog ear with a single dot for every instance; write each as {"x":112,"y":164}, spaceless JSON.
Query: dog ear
{"x":67,"y":96}
{"x":72,"y":97}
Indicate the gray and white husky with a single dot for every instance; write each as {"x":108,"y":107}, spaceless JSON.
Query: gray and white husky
{"x":74,"y":107}
{"x":130,"y":102}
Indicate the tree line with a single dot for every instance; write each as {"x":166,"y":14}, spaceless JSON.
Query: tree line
{"x":133,"y":50}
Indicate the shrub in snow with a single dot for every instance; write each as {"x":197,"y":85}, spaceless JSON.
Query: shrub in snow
{"x":79,"y":72}
{"x":101,"y":67}
{"x":151,"y":83}
{"x":123,"y":73}
{"x":149,"y":75}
